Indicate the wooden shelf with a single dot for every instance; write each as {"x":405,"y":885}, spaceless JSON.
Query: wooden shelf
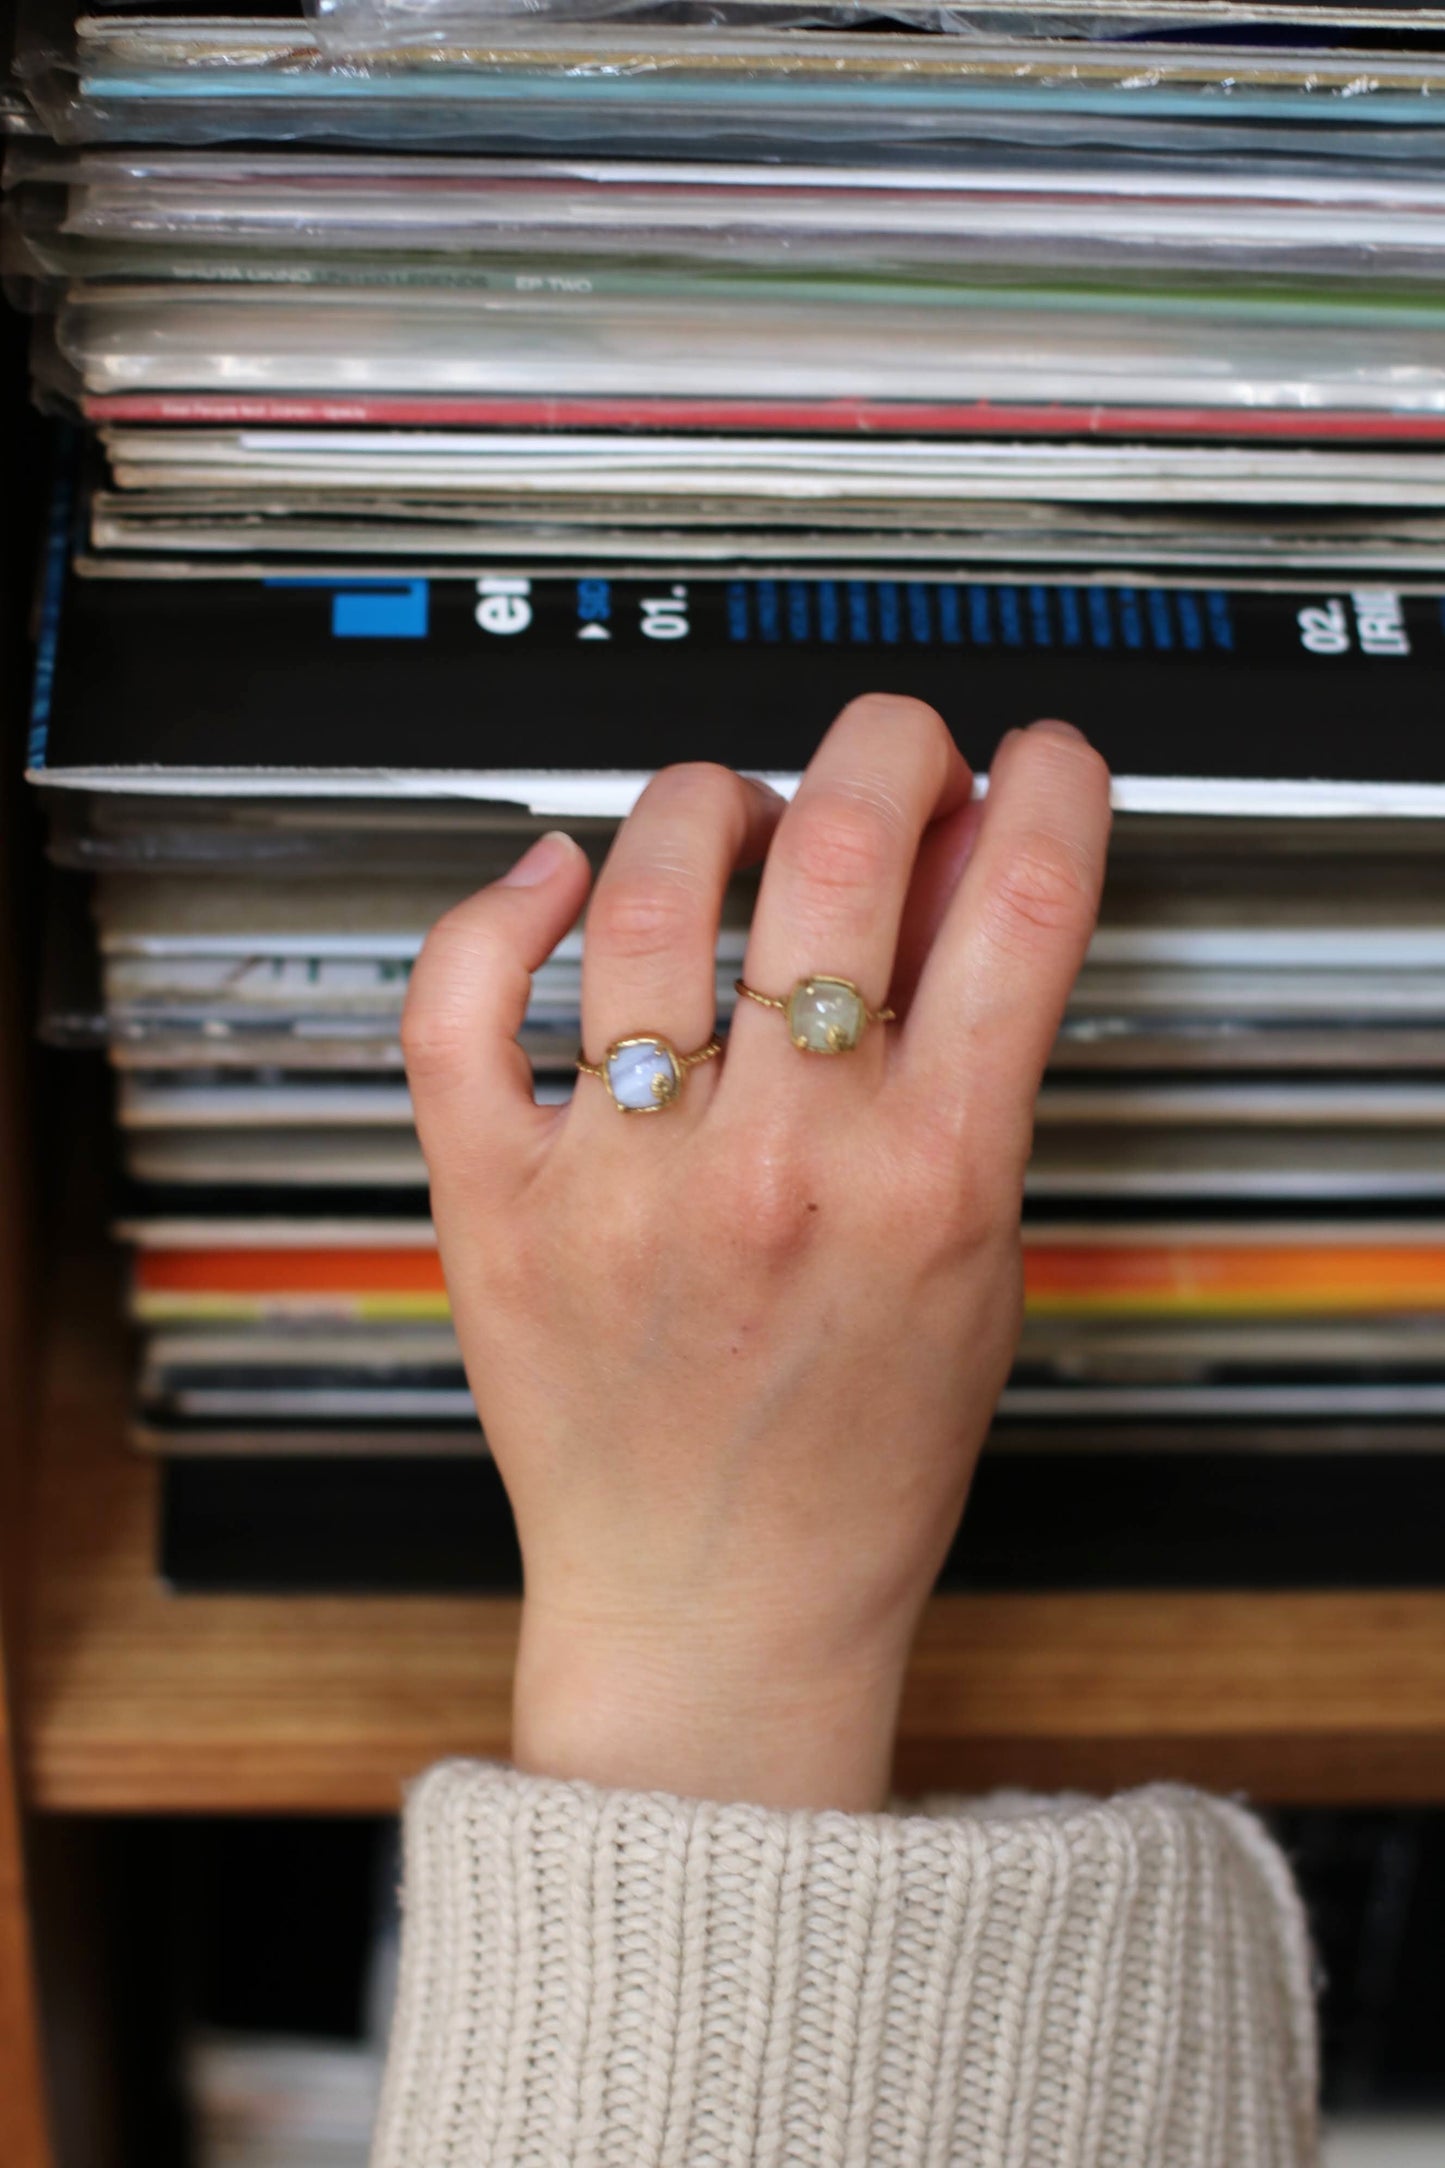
{"x":134,"y":1699}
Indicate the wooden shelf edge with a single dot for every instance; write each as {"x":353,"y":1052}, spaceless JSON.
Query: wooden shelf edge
{"x":288,"y":1706}
{"x":132,"y":1700}
{"x":1306,"y":1770}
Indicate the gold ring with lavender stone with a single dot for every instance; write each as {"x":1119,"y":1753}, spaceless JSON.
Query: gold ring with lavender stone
{"x":825,"y":1015}
{"x":646,"y":1073}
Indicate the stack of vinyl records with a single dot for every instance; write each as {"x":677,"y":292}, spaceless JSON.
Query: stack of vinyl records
{"x":260,"y":2103}
{"x":279,"y":2063}
{"x":480,"y":408}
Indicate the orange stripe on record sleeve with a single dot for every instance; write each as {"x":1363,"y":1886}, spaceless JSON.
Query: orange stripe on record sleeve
{"x":1061,"y":1279}
{"x":1076,"y":1279}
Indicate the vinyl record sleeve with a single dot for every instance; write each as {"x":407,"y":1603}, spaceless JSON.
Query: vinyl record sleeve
{"x":439,"y":476}
{"x":562,"y":696}
{"x":174,"y":214}
{"x":160,"y":1101}
{"x":1322,"y":422}
{"x":1102,"y":1520}
{"x":150,"y":61}
{"x":1074,"y":1372}
{"x":1185,"y":1429}
{"x":163,"y":1101}
{"x":1108,"y":1166}
{"x":1274,"y":353}
{"x":1097,"y":1047}
{"x":1188,"y":910}
{"x":153,"y":1431}
{"x":214,"y":1271}
{"x":1402,"y":547}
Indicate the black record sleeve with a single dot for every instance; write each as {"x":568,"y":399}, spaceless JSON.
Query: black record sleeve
{"x":458,"y":676}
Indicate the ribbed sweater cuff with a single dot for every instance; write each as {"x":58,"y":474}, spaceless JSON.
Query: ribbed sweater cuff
{"x":596,"y":1979}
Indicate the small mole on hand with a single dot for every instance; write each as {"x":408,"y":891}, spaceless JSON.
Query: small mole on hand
{"x":812,"y":1208}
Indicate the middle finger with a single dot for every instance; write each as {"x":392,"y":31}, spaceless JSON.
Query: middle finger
{"x":838,"y":872}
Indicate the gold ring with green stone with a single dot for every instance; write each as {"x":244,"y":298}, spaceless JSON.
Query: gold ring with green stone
{"x":826,"y":1015}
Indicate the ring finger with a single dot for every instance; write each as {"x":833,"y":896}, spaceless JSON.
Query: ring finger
{"x":649,"y":959}
{"x":838,"y":872}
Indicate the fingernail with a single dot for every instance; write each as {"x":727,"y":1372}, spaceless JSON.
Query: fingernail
{"x":1055,"y":727}
{"x":540,"y":862}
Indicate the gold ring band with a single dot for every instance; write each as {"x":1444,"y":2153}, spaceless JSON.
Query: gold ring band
{"x":825,"y":1014}
{"x":645,"y":1073}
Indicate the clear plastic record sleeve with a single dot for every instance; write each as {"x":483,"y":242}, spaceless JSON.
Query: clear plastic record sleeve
{"x":316,"y":217}
{"x":350,"y":29}
{"x":436,"y":345}
{"x":650,"y":88}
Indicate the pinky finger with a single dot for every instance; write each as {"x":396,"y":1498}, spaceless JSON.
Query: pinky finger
{"x":992,"y":993}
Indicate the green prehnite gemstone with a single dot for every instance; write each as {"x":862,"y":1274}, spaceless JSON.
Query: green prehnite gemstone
{"x":826,"y":1016}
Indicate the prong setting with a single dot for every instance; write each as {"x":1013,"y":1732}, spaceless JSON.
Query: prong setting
{"x":643,"y":1074}
{"x":826,"y":1015}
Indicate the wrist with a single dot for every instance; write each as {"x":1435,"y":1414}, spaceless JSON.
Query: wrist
{"x":728,"y":1714}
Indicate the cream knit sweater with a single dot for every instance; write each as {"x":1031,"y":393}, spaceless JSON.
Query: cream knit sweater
{"x":597,"y":1979}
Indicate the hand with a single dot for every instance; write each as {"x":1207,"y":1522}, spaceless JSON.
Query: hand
{"x":736,"y":1359}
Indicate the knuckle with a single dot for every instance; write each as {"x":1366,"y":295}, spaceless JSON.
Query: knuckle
{"x":519,"y":1272}
{"x":433,"y":1028}
{"x":989,"y":1203}
{"x":431,"y":1039}
{"x":1044,"y":890}
{"x":955,"y":1193}
{"x":636,"y":918}
{"x":840,"y":841}
{"x":764,"y":1201}
{"x":455,"y":943}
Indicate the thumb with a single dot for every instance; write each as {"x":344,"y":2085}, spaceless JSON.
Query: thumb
{"x":471,"y":1085}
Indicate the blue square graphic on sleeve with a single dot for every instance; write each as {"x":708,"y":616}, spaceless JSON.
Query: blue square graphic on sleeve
{"x":381,"y":613}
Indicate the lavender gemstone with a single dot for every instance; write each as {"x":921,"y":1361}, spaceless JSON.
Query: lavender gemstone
{"x":643,"y":1075}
